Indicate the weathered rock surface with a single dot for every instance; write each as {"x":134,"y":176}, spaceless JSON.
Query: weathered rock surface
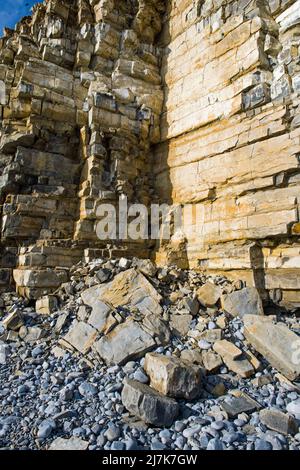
{"x":74,"y":443}
{"x":278,"y":421}
{"x":209,"y":294}
{"x":127,"y":341}
{"x":275,"y":342}
{"x":102,"y":99}
{"x":149,"y":405}
{"x":173,"y":377}
{"x":243,"y":302}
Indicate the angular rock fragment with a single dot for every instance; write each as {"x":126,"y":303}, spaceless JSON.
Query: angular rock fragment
{"x":234,"y":358}
{"x":173,"y":377}
{"x":100,"y":310}
{"x":148,"y":404}
{"x":131,"y":288}
{"x":243,"y":302}
{"x":227,"y":349}
{"x":209,"y":294}
{"x":180,"y":324}
{"x":127,"y":341}
{"x":278,"y":421}
{"x":211,"y":361}
{"x":81,"y":336}
{"x":191,"y":355}
{"x":275,"y":342}
{"x":46,"y":305}
{"x":234,"y":405}
{"x":13,"y":321}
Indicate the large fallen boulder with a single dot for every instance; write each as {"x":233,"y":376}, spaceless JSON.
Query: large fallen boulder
{"x":148,"y":404}
{"x":243,"y":302}
{"x":172,"y":376}
{"x":129,"y":287}
{"x":275,"y":342}
{"x":127,"y":341}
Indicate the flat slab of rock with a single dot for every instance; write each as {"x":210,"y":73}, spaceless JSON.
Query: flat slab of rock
{"x":243,"y":302}
{"x":209,"y":294}
{"x":127,"y":341}
{"x":148,"y":404}
{"x":81,"y":336}
{"x":234,"y":358}
{"x":100,"y":310}
{"x":278,"y":421}
{"x":227,"y":349}
{"x":234,"y":405}
{"x":74,"y":443}
{"x":180,"y":324}
{"x":275,"y":342}
{"x":131,"y":287}
{"x":173,"y":377}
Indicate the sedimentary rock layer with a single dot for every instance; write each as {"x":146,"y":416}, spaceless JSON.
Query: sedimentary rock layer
{"x":186,"y":102}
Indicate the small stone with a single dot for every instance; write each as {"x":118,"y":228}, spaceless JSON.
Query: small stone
{"x":13,"y":321}
{"x":45,"y":429}
{"x":112,"y":433}
{"x":46,"y":305}
{"x":140,"y":377}
{"x":74,"y":443}
{"x":215,"y":444}
{"x":261,"y":444}
{"x":87,"y":390}
{"x":278,"y":421}
{"x":211,"y":361}
{"x":234,"y":405}
{"x":203,"y":344}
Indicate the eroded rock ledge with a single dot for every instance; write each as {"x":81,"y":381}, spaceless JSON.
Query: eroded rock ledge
{"x":193,"y":102}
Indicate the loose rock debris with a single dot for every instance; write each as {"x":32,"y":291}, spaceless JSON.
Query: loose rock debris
{"x":147,"y":358}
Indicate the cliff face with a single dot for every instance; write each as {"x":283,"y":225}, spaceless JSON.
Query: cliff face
{"x":196,"y":103}
{"x":230,"y":137}
{"x":80,"y":105}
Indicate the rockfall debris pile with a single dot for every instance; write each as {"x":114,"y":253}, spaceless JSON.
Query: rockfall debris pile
{"x":130,"y":356}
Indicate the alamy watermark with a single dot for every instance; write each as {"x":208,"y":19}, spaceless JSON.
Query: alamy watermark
{"x":138,"y":222}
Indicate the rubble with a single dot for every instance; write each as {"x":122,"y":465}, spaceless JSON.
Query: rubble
{"x":109,"y":365}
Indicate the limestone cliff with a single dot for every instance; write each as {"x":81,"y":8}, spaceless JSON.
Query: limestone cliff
{"x":230,"y":137}
{"x":185,"y":101}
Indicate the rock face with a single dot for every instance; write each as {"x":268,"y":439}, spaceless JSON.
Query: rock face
{"x":106,"y":99}
{"x":149,"y":405}
{"x":173,"y":377}
{"x":80,"y":100}
{"x":275,"y":342}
